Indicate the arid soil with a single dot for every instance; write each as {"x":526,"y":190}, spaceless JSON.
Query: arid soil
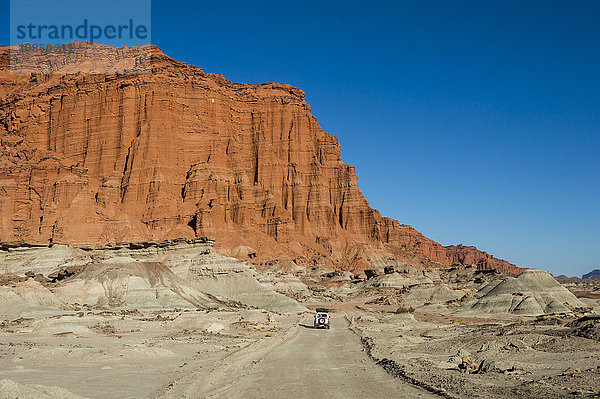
{"x":179,"y":320}
{"x":523,"y":358}
{"x":125,"y":354}
{"x":303,"y":363}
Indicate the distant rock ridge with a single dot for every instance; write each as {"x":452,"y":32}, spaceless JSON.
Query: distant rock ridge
{"x":593,"y":274}
{"x":89,"y":159}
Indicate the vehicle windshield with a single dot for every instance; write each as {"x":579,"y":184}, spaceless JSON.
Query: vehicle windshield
{"x":322,"y":315}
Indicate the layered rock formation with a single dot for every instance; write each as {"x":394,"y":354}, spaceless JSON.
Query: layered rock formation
{"x":91,"y":159}
{"x":533,"y":293}
{"x":181,"y":274}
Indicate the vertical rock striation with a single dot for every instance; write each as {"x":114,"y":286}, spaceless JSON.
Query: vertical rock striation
{"x":91,"y":159}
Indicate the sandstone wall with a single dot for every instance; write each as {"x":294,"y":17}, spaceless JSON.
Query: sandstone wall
{"x":90,"y":159}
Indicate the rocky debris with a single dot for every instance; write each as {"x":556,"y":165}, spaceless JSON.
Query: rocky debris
{"x":590,"y":305}
{"x":386,"y":300}
{"x":370,"y":273}
{"x":61,"y":275}
{"x":399,"y":371}
{"x":337,"y":276}
{"x":467,"y":365}
{"x":180,"y":153}
{"x":516,"y":369}
{"x":459,"y":356}
{"x":470,"y":274}
{"x":497,"y":359}
{"x":9,"y":278}
{"x":572,"y":371}
{"x":587,"y":327}
{"x":486,"y":366}
{"x":167,"y":243}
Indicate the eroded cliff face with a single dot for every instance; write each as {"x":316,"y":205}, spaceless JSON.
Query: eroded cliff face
{"x":93,"y":159}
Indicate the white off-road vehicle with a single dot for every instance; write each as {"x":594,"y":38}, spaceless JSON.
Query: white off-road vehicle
{"x":322,"y":318}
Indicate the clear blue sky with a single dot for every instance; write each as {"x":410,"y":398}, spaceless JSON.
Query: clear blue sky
{"x":477,"y":122}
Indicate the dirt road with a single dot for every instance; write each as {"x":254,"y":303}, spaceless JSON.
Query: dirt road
{"x":305,"y":363}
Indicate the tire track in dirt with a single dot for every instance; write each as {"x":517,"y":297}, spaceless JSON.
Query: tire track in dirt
{"x":302,"y":363}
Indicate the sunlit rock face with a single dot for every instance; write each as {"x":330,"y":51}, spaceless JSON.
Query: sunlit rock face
{"x":91,"y":159}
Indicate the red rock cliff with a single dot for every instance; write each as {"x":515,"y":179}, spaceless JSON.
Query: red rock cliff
{"x":91,"y":159}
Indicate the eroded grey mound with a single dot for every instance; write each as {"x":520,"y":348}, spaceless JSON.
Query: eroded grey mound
{"x":12,"y":306}
{"x":422,"y":295}
{"x":227,"y":277}
{"x":182,"y":276}
{"x":533,"y":293}
{"x":128,"y":283}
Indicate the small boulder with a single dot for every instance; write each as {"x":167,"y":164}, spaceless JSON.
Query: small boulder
{"x":468,"y":365}
{"x":571,"y":371}
{"x":215,"y":328}
{"x":485,"y":366}
{"x":370,"y":273}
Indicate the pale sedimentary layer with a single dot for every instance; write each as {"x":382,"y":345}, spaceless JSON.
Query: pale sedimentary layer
{"x":183,"y":276}
{"x":533,"y":293}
